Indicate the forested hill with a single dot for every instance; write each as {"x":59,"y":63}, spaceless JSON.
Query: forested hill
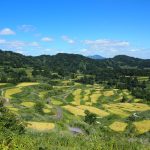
{"x":70,"y":63}
{"x":69,"y":60}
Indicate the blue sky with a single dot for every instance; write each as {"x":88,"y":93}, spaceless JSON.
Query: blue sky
{"x":88,"y":27}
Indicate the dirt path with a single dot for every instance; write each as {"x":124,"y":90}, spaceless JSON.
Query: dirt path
{"x":6,"y":99}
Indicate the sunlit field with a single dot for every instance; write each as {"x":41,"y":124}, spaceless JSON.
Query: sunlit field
{"x":41,"y":126}
{"x":118,"y":126}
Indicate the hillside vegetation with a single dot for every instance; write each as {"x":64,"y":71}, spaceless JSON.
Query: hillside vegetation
{"x":68,"y":101}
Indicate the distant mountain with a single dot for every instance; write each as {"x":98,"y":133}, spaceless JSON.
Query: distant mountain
{"x":96,"y":57}
{"x":71,"y":63}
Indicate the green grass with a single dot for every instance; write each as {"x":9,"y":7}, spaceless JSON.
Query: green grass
{"x":111,"y":132}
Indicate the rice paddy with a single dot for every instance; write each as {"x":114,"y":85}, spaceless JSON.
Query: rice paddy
{"x":91,"y":98}
{"x":77,"y":96}
{"x":41,"y":126}
{"x":142,"y":126}
{"x":10,"y":92}
{"x":56,"y":102}
{"x":2,"y":84}
{"x":13,"y":109}
{"x":24,"y":84}
{"x":118,"y":126}
{"x":74,"y":110}
{"x":28,"y":104}
{"x":108,"y":93}
{"x":46,"y":110}
{"x":94,"y":97}
{"x":94,"y":110}
{"x":124,"y":109}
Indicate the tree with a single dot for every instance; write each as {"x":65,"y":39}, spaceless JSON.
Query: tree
{"x":123,"y":99}
{"x":39,"y":107}
{"x":9,"y":121}
{"x":90,"y":118}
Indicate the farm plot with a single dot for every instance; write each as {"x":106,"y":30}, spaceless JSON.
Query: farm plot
{"x":142,"y":126}
{"x":74,"y":110}
{"x":41,"y":126}
{"x":124,"y":109}
{"x":2,"y":84}
{"x":77,"y":97}
{"x":118,"y":126}
{"x":87,"y":92}
{"x":94,"y":110}
{"x":108,"y":93}
{"x":12,"y":91}
{"x":12,"y":109}
{"x":56,"y":102}
{"x":116,"y":110}
{"x":28,"y":104}
{"x":24,"y":84}
{"x":94,"y":97}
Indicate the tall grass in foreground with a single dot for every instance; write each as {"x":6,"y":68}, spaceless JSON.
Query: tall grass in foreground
{"x":67,"y":141}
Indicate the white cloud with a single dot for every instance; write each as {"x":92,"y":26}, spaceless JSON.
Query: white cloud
{"x":68,"y":40}
{"x":106,"y":42}
{"x":7,"y":31}
{"x":36,"y":44}
{"x":47,"y":39}
{"x":27,"y":28}
{"x":2,"y":41}
{"x":105,"y":47}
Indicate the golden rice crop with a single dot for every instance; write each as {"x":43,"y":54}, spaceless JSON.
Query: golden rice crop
{"x":56,"y":102}
{"x":23,"y":84}
{"x":94,"y":97}
{"x":1,"y":84}
{"x":118,"y":126}
{"x":10,"y":92}
{"x":11,"y":108}
{"x":86,"y":95}
{"x":45,"y":110}
{"x":121,"y":108}
{"x":74,"y":110}
{"x":142,"y":126}
{"x":86,"y":98}
{"x":42,"y":94}
{"x":28,"y":104}
{"x":88,"y":103}
{"x":48,"y":106}
{"x":108,"y":93}
{"x":41,"y":126}
{"x":94,"y":110}
{"x":77,"y":96}
{"x":116,"y":110}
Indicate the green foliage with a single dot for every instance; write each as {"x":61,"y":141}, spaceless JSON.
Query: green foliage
{"x":90,"y":118}
{"x":9,"y":121}
{"x":39,"y":107}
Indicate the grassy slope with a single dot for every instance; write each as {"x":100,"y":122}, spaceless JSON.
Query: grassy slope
{"x":23,"y":104}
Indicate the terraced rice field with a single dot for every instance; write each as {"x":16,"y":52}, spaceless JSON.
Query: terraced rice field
{"x":74,"y":110}
{"x":12,"y":91}
{"x":108,"y":93}
{"x":94,"y":97}
{"x":45,"y":110}
{"x":118,"y":126}
{"x":1,"y":84}
{"x":142,"y":126}
{"x":125,"y":109}
{"x":13,"y":109}
{"x":24,"y":84}
{"x":87,"y":93}
{"x":56,"y":102}
{"x":28,"y":104}
{"x":94,"y":110}
{"x":77,"y":96}
{"x":41,"y":126}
